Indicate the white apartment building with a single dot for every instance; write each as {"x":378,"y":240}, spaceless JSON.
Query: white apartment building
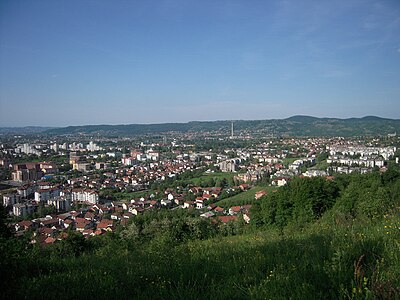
{"x":82,"y":195}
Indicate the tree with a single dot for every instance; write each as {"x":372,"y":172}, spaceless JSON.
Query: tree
{"x":4,"y":230}
{"x":131,"y":232}
{"x":74,"y":245}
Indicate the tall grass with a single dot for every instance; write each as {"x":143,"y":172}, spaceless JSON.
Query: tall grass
{"x":323,"y":261}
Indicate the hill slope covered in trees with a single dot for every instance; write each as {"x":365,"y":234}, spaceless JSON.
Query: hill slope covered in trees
{"x":293,"y":126}
{"x":312,"y":239}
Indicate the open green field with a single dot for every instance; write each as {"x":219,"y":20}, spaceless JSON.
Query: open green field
{"x":289,"y":160}
{"x":246,"y":197}
{"x":219,"y":175}
{"x":131,"y":195}
{"x":214,"y":176}
{"x":322,"y":165}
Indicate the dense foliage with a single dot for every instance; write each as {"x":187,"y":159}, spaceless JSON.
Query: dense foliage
{"x":300,"y":202}
{"x":313,"y":239}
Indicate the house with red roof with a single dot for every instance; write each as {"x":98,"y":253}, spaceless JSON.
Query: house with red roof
{"x":260,"y":194}
{"x":234,"y":210}
{"x":219,"y":209}
{"x":23,"y":225}
{"x":226,"y":219}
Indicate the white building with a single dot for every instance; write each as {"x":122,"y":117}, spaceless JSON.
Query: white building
{"x":128,"y":161}
{"x":60,"y":203}
{"x":26,"y":190}
{"x":28,"y":149}
{"x":89,"y":196}
{"x":315,"y":173}
{"x":93,"y":147}
{"x":200,"y":203}
{"x":153,"y":155}
{"x":23,"y":209}
{"x":230,"y":165}
{"x":81,"y":166}
{"x":11,"y":199}
{"x":43,"y":195}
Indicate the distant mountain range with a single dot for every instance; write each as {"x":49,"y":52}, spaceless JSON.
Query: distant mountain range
{"x":293,"y":126}
{"x":24,"y":130}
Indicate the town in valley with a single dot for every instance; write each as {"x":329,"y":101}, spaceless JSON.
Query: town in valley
{"x":95,"y":184}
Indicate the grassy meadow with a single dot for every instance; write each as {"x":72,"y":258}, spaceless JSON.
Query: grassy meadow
{"x":245,"y":197}
{"x":322,"y":262}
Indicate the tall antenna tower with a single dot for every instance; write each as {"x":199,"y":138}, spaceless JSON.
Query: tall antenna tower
{"x":232,"y":130}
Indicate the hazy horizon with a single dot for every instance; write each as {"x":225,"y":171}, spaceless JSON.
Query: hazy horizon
{"x":70,"y":63}
{"x":221,"y":120}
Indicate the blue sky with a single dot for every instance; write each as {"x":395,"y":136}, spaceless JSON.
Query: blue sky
{"x":122,"y":62}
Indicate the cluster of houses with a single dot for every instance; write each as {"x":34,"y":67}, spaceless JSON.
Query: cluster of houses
{"x":91,"y":221}
{"x":97,"y":219}
{"x":25,"y":199}
{"x":138,"y":169}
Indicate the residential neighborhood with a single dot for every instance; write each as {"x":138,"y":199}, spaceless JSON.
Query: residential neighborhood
{"x":95,"y":186}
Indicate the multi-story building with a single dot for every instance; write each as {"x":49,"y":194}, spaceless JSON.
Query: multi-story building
{"x":28,"y":149}
{"x":153,"y":155}
{"x":11,"y":199}
{"x":43,"y":195}
{"x":60,"y":203}
{"x":81,"y":166}
{"x":92,"y":147}
{"x":101,"y":165}
{"x":128,"y":161}
{"x":27,"y":172}
{"x":23,"y":209}
{"x":230,"y":165}
{"x":48,"y":168}
{"x":27,"y":190}
{"x":81,"y":195}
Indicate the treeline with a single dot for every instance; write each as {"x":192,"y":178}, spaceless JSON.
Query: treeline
{"x":294,"y":126}
{"x":176,"y":227}
{"x":305,"y":200}
{"x":302,"y":201}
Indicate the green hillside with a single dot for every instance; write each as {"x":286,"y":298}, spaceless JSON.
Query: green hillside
{"x":312,"y":239}
{"x":246,"y":197}
{"x":293,"y":126}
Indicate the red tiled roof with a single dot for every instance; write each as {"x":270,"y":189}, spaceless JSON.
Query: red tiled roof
{"x":50,"y":222}
{"x":46,"y":230}
{"x":219,"y":209}
{"x":104,"y":224}
{"x":235,"y":208}
{"x":226,"y":219}
{"x":80,"y":224}
{"x":25,"y":223}
{"x":261,"y":193}
{"x":98,"y":232}
{"x":49,"y":240}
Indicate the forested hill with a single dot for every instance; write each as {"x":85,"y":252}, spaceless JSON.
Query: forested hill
{"x":23,"y":130}
{"x":293,"y":126}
